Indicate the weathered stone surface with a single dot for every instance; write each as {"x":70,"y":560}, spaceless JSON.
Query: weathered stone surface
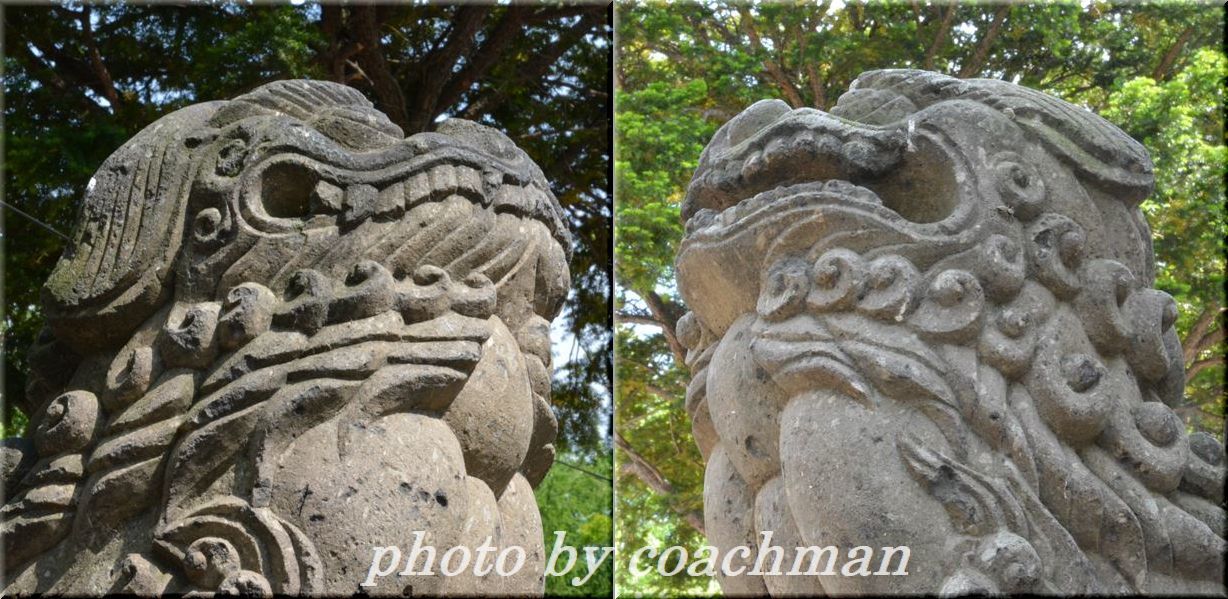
{"x":927,"y":320}
{"x":285,"y":334}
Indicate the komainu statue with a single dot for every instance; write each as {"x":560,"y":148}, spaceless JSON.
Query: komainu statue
{"x":927,"y":320}
{"x":284,"y":334}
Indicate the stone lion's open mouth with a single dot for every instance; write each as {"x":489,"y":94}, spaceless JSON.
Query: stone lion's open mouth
{"x":776,"y":182}
{"x":770,"y":158}
{"x":294,"y":190}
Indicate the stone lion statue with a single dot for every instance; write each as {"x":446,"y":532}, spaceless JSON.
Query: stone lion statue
{"x":927,"y":319}
{"x":282,"y":335}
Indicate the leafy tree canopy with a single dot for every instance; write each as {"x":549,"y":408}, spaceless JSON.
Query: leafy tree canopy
{"x":577,"y":498}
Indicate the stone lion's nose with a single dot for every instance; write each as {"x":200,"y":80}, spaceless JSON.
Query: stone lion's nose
{"x":759,"y":115}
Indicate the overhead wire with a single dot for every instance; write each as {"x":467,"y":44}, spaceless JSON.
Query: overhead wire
{"x":35,"y":220}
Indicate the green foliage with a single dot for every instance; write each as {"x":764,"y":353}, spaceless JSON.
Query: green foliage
{"x":660,"y":147}
{"x":657,"y":530}
{"x":15,"y":427}
{"x":581,"y":505}
{"x":1180,"y":121}
{"x":653,"y":423}
{"x":1155,"y":70}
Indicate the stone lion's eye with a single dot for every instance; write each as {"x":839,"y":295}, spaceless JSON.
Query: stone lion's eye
{"x":1020,"y":176}
{"x":207,"y":223}
{"x":230,"y":158}
{"x":285,"y":190}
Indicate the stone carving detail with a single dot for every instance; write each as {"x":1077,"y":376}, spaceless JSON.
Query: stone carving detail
{"x":285,"y":334}
{"x":926,"y":320}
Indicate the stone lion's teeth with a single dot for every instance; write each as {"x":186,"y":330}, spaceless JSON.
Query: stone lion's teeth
{"x":805,"y":142}
{"x":733,"y":213}
{"x":703,"y":218}
{"x":508,"y":195}
{"x":754,"y":165}
{"x":536,"y":197}
{"x":493,"y":178}
{"x":391,"y":200}
{"x":468,"y":180}
{"x":326,"y":197}
{"x":443,"y":180}
{"x":828,"y":145}
{"x":775,"y":152}
{"x":359,"y":203}
{"x":417,"y":190}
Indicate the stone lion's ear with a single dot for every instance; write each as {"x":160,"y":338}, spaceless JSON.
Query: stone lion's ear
{"x":112,"y":275}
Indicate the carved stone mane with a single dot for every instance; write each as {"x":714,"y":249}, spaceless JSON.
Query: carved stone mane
{"x":927,"y":319}
{"x":285,"y":334}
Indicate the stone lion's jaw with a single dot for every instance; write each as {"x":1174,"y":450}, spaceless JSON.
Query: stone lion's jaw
{"x":463,"y":198}
{"x":770,"y":159}
{"x":776,"y":181}
{"x":320,"y":184}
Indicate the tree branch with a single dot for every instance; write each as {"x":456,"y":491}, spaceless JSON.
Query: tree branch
{"x":816,"y":86}
{"x":105,"y":83}
{"x":1209,"y":340}
{"x":1194,"y":409}
{"x":773,"y":70}
{"x":982,"y":48}
{"x":947,"y":21}
{"x":644,"y":470}
{"x":435,"y":72}
{"x":666,"y":314}
{"x":340,"y":50}
{"x":63,"y":68}
{"x":490,"y":52}
{"x":466,"y":22}
{"x":365,"y":28}
{"x":562,"y":12}
{"x":1191,"y":347}
{"x":639,"y":467}
{"x":45,"y":73}
{"x":583,"y":91}
{"x":1164,"y":68}
{"x":814,"y":80}
{"x":632,"y":318}
{"x":532,"y":71}
{"x":1201,"y":365}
